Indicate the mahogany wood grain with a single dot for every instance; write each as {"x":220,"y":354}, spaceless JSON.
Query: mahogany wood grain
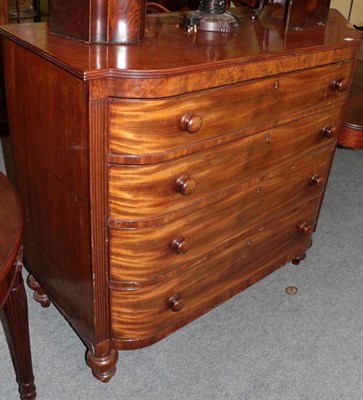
{"x":223,"y":111}
{"x":141,"y":256}
{"x":243,"y":55}
{"x":99,"y":21}
{"x":351,"y":137}
{"x":10,"y":232}
{"x":139,"y":316}
{"x":4,"y":19}
{"x":130,"y":186}
{"x":12,"y":293}
{"x":16,"y":314}
{"x":51,"y":167}
{"x":4,"y":12}
{"x":351,"y":132}
{"x":197,"y":127}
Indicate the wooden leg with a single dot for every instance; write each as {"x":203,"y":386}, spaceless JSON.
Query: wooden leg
{"x":297,"y":260}
{"x":16,"y":314}
{"x":104,"y":366}
{"x":39,"y":294}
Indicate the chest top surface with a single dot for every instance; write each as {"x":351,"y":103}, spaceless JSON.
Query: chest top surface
{"x":169,"y":50}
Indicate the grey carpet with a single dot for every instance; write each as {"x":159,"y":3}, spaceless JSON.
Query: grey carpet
{"x":261,"y":345}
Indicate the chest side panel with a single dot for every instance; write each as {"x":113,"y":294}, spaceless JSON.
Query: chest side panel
{"x":49,"y":132}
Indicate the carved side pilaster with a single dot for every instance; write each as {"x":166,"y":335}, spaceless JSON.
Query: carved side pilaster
{"x":98,"y":198}
{"x":98,"y":112}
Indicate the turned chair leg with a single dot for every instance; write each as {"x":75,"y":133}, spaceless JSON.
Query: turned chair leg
{"x":16,"y":314}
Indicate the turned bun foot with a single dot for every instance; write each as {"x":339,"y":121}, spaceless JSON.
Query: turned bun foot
{"x":103,"y":367}
{"x":39,"y":294}
{"x":297,"y":260}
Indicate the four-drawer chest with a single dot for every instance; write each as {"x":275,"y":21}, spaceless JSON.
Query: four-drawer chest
{"x":160,"y":179}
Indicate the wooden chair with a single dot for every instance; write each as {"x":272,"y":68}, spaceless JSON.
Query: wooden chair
{"x":12,"y":293}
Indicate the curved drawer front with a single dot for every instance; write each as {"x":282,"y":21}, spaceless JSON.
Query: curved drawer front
{"x":155,"y":127}
{"x":150,"y":313}
{"x":148,"y":191}
{"x":141,"y":255}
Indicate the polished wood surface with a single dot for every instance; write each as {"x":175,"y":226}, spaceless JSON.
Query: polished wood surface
{"x":130,"y":186}
{"x":181,"y":53}
{"x":139,"y":256}
{"x":278,"y":98}
{"x":102,"y":21}
{"x":158,"y":184}
{"x":11,"y":227}
{"x":268,"y":243}
{"x":58,"y":183}
{"x":12,"y":293}
{"x":351,"y":132}
{"x":4,"y":19}
{"x":4,"y":12}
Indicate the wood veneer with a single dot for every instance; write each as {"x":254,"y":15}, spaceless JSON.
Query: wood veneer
{"x":122,"y":153}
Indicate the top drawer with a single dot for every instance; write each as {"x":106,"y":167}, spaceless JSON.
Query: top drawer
{"x":145,"y":131}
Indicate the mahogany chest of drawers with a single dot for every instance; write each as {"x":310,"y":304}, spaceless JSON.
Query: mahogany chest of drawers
{"x":160,"y":179}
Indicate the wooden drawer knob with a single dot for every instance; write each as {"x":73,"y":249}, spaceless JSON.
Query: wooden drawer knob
{"x":316,"y":180}
{"x":328,"y":131}
{"x":305,"y":228}
{"x":191,"y":122}
{"x":175,"y":302}
{"x":185,"y":185}
{"x":339,"y":84}
{"x":180,"y":245}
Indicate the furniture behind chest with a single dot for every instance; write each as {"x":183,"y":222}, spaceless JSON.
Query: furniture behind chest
{"x":351,"y":132}
{"x":161,"y":178}
{"x":3,"y":117}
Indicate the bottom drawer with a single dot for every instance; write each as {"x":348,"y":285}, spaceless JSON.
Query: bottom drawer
{"x":142,"y":316}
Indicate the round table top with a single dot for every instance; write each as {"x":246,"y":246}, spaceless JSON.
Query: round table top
{"x":11,"y":226}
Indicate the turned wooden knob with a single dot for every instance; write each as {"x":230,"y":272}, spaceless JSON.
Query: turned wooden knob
{"x":175,"y":302}
{"x":185,"y":185}
{"x":328,"y":131}
{"x":191,"y":122}
{"x":316,"y":180}
{"x":339,"y":84}
{"x":305,"y":228}
{"x":180,"y":245}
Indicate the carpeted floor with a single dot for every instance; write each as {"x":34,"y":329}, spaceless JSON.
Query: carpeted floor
{"x":261,"y":345}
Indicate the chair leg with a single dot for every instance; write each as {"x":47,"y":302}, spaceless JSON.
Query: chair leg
{"x":16,"y":314}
